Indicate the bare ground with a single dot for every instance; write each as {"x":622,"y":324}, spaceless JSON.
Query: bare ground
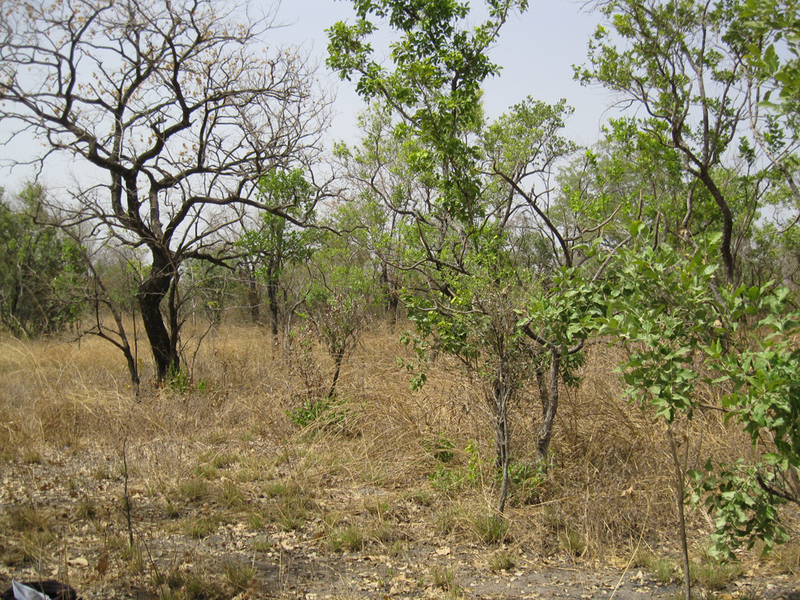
{"x":62,"y":515}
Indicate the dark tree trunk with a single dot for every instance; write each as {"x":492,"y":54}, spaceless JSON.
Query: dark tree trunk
{"x":272,"y":303}
{"x":701,"y":169}
{"x":150,"y":295}
{"x":502,"y":443}
{"x":392,"y":301}
{"x":726,"y":243}
{"x":500,"y":394}
{"x":253,"y":300}
{"x":133,"y":371}
{"x":549,"y":411}
{"x":338,"y":359}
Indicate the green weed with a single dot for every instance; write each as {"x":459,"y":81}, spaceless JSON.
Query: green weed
{"x":489,"y":528}
{"x":200,"y":527}
{"x":349,"y":538}
{"x":238,"y":574}
{"x":502,"y":561}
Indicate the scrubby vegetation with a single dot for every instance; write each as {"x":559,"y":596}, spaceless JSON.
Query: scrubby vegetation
{"x":388,"y":491}
{"x":245,"y":363}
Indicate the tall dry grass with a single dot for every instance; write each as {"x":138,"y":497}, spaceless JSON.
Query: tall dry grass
{"x":608,"y":490}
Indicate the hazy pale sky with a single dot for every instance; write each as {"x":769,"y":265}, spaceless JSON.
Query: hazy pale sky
{"x":536,"y":51}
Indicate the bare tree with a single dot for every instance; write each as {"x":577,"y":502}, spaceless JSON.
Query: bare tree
{"x":180,"y":105}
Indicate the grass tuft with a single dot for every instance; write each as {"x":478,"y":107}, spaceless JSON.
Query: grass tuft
{"x":199,"y":527}
{"x":502,"y":561}
{"x":29,"y":519}
{"x":349,"y":538}
{"x":238,"y":574}
{"x":489,"y":527}
{"x":443,"y":578}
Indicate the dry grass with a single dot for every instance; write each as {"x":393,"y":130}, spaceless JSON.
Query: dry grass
{"x":219,"y":455}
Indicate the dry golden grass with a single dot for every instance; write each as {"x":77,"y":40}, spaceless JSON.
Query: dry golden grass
{"x":217,"y":454}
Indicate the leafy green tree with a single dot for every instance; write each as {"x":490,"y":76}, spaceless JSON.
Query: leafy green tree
{"x":773,"y":29}
{"x":461,"y":190}
{"x":277,"y":243}
{"x":343,"y":291}
{"x":628,"y":176}
{"x":684,"y":329}
{"x":435,"y":87}
{"x":42,"y":274}
{"x":764,"y":400}
{"x":662,"y":307}
{"x":433,"y":94}
{"x":377,"y":211}
{"x":770,"y":30}
{"x":521,"y":149}
{"x":681,"y":62}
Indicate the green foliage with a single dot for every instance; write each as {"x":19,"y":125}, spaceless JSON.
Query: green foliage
{"x":42,"y":274}
{"x":680,"y":63}
{"x":490,"y":528}
{"x":564,"y":316}
{"x":339,"y":299}
{"x":179,"y":380}
{"x":684,"y":328}
{"x":743,"y":510}
{"x":441,"y":448}
{"x":456,"y":187}
{"x":526,"y":480}
{"x":769,"y":30}
{"x":320,"y":411}
{"x":453,"y":479}
{"x":348,"y":538}
{"x":772,"y":39}
{"x":661,"y":303}
{"x":279,"y":242}
{"x":439,"y":64}
{"x":628,"y":175}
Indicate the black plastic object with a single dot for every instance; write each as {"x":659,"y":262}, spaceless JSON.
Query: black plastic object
{"x":55,"y":590}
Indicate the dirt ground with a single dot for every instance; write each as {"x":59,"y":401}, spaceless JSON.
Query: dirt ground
{"x":62,"y":517}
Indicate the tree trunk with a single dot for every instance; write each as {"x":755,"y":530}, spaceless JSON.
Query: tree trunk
{"x":150,"y":295}
{"x":726,"y":242}
{"x":253,"y":300}
{"x":390,"y":289}
{"x":544,"y":394}
{"x":500,"y":393}
{"x":680,"y":493}
{"x":502,"y":448}
{"x":546,"y":430}
{"x":272,"y":303}
{"x":338,"y":359}
{"x":133,"y":371}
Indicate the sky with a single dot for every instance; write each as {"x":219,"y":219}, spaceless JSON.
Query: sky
{"x":536,"y":51}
